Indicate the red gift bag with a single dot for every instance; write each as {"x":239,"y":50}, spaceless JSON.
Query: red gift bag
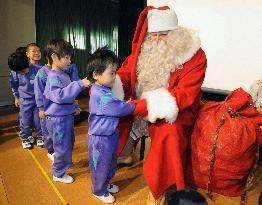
{"x":224,"y":144}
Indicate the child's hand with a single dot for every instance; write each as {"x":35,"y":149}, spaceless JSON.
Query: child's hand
{"x":76,"y":102}
{"x":86,"y":82}
{"x":17,"y":102}
{"x":41,"y":114}
{"x":259,"y":109}
{"x":77,"y":112}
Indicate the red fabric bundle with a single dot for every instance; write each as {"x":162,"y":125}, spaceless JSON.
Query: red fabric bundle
{"x":234,"y":153}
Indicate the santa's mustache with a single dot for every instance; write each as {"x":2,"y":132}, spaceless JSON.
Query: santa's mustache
{"x":156,"y":46}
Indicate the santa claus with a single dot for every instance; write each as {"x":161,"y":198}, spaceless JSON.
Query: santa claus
{"x":164,"y":73}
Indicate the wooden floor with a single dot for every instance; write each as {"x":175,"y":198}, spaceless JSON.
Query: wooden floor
{"x":26,"y":177}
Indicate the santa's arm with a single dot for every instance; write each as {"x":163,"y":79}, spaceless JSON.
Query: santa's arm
{"x":189,"y":86}
{"x":165,"y":103}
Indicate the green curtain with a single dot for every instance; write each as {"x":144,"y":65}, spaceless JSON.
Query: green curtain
{"x":88,"y":25}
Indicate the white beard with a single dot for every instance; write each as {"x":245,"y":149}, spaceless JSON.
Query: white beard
{"x":157,"y":60}
{"x":152,"y":70}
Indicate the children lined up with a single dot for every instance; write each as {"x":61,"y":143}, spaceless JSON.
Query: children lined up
{"x":46,"y":95}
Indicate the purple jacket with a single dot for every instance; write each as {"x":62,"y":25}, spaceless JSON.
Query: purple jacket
{"x":22,"y":85}
{"x":105,"y":110}
{"x":60,"y":94}
{"x":39,"y":86}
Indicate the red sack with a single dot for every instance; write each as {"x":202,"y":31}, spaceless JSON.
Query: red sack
{"x":234,"y":153}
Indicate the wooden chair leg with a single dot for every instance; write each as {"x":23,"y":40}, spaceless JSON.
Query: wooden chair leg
{"x":142,"y":147}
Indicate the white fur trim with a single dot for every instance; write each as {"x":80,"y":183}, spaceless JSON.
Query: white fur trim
{"x":161,"y":105}
{"x":117,"y":89}
{"x":191,"y":51}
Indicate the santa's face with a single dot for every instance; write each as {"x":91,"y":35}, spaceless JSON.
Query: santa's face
{"x":158,"y":36}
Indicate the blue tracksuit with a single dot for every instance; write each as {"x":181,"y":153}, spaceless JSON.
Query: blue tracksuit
{"x":105,"y":111}
{"x":22,"y":86}
{"x":59,"y":97}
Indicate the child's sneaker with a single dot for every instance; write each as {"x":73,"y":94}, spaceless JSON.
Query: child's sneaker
{"x":112,"y":188}
{"x":106,"y":198}
{"x":31,"y":139}
{"x":26,"y":144}
{"x":40,"y":142}
{"x":64,"y":179}
{"x":51,"y":156}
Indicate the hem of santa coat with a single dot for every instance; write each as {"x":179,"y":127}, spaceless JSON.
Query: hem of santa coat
{"x":160,"y":192}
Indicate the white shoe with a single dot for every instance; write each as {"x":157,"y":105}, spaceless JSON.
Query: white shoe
{"x":40,"y":142}
{"x":51,"y":156}
{"x":107,"y":198}
{"x":31,"y":139}
{"x":112,"y":188}
{"x":26,"y":144}
{"x":64,"y":179}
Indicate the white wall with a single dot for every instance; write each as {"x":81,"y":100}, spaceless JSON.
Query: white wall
{"x":17,"y":21}
{"x":231,"y":37}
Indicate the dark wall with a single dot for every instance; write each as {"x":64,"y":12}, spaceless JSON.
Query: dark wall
{"x":128,"y":15}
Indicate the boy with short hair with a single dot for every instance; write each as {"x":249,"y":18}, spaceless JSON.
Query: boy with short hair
{"x":186,"y":197}
{"x":39,"y":87}
{"x":21,"y":81}
{"x":59,"y":106}
{"x":105,"y":110}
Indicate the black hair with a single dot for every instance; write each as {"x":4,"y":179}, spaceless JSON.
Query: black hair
{"x":60,"y":47}
{"x":21,"y":49}
{"x":98,"y":62}
{"x":31,"y":44}
{"x":18,"y":61}
{"x":186,"y":197}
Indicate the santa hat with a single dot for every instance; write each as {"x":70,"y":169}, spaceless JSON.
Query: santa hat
{"x":162,"y":20}
{"x":140,"y":33}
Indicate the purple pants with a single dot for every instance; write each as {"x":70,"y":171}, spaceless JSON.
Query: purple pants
{"x":29,"y":118}
{"x":61,"y":130}
{"x":102,"y":161}
{"x":47,"y":138}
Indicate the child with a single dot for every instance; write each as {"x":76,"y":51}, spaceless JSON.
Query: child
{"x":33,"y":53}
{"x":39,"y":87}
{"x":105,"y":110}
{"x":72,"y":71}
{"x":186,"y":197}
{"x":59,"y":107}
{"x":21,"y":49}
{"x":22,"y":84}
{"x":255,"y":91}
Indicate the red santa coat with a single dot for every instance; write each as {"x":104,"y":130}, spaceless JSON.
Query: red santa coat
{"x":168,"y":128}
